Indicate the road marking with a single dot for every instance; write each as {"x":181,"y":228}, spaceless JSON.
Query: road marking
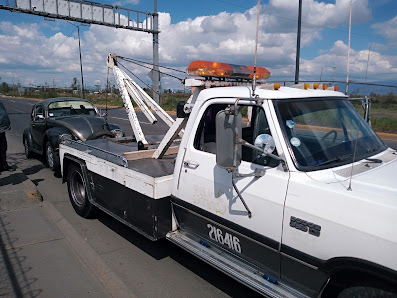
{"x":128,"y":120}
{"x":19,"y":111}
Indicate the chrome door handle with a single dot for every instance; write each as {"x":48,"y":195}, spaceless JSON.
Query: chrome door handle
{"x":191,"y":164}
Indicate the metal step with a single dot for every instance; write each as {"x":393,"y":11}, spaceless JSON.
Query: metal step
{"x":231,"y":265}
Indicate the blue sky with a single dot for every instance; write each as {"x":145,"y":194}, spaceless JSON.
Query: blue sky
{"x":35,"y":51}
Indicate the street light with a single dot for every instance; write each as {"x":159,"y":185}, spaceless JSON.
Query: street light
{"x":81,"y":63}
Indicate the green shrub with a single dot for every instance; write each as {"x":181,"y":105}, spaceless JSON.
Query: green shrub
{"x":383,"y":124}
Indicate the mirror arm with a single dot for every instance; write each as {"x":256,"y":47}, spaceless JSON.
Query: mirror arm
{"x":245,"y":143}
{"x":237,"y":137}
{"x":235,"y":174}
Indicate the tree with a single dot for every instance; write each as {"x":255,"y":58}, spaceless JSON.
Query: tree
{"x":75,"y":83}
{"x":5,"y":87}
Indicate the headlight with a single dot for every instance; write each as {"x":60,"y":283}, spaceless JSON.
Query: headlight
{"x":65,"y":137}
{"x":118,"y":133}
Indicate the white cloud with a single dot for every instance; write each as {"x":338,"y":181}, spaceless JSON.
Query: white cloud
{"x":387,"y":29}
{"x":379,"y":66}
{"x":225,"y":37}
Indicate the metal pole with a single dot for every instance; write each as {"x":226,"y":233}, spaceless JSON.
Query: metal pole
{"x":156,"y":73}
{"x":366,"y":72}
{"x":321,"y":75}
{"x":333,"y":76}
{"x":256,"y":46}
{"x":298,"y":43}
{"x":81,"y":63}
{"x":348,"y":51}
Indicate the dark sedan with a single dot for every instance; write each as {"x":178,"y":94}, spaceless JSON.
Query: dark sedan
{"x":55,"y":119}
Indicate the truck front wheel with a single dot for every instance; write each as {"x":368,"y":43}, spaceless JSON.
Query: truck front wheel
{"x":78,"y":193}
{"x":365,"y":292}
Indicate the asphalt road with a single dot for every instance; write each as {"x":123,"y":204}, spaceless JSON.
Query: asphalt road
{"x":149,"y":269}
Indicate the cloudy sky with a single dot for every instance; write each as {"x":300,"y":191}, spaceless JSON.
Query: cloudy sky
{"x":35,"y":51}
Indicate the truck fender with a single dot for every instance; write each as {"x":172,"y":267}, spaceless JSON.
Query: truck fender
{"x":69,"y":159}
{"x":28,"y":136}
{"x":345,"y":272}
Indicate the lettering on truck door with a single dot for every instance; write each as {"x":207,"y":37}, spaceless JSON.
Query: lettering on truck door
{"x":209,"y":206}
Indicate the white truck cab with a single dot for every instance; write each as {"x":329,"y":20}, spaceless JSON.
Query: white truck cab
{"x":287,"y":190}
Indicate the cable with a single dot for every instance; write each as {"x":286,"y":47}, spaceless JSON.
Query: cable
{"x":164,"y":73}
{"x":61,"y":43}
{"x":139,"y":61}
{"x":138,"y":78}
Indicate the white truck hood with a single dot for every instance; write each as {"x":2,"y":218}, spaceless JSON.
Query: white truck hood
{"x":369,"y":180}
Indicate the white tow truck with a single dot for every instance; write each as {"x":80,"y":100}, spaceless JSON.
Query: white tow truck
{"x":286,"y":189}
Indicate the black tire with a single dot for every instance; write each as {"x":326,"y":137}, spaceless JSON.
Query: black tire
{"x":51,"y":157}
{"x":28,"y":153}
{"x":367,"y":292}
{"x":78,"y":192}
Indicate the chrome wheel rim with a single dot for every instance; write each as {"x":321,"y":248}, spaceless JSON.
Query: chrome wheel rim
{"x":77,"y":189}
{"x":25,"y":142}
{"x":50,"y":156}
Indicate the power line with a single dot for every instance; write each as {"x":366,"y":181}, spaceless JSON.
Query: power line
{"x":62,"y":43}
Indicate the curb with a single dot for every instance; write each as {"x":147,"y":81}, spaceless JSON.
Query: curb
{"x":86,"y":255}
{"x":113,"y":285}
{"x":388,"y":136}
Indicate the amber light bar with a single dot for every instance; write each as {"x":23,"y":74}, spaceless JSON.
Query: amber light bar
{"x":203,"y":68}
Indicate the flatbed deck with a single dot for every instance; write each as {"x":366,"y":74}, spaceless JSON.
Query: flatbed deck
{"x":114,"y":152}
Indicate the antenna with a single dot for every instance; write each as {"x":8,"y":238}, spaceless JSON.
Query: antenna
{"x":256,"y":47}
{"x":354,"y":158}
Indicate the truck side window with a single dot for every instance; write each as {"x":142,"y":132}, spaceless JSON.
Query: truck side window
{"x":206,"y":132}
{"x":254,"y":124}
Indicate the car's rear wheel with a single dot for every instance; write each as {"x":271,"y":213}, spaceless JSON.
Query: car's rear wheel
{"x":51,"y":157}
{"x":78,"y":193}
{"x":28,"y":153}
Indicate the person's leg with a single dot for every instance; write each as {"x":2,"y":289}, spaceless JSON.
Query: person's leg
{"x":3,"y":150}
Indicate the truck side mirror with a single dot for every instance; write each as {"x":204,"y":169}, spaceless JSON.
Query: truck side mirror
{"x":265,"y":142}
{"x":226,"y":142}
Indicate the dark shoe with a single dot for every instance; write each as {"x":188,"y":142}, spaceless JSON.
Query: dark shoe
{"x":5,"y":167}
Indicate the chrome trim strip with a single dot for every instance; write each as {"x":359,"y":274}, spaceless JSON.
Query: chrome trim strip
{"x":124,"y":160}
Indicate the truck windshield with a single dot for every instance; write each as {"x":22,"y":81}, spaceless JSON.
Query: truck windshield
{"x":325,"y":132}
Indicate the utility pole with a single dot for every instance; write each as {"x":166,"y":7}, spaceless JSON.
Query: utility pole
{"x":81,"y":63}
{"x":156,"y":73}
{"x":298,"y":43}
{"x":321,"y":75}
{"x":366,"y":71}
{"x":348,"y":51}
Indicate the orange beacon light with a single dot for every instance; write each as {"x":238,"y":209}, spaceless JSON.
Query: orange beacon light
{"x":203,"y":68}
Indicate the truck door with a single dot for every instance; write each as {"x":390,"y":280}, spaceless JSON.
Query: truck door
{"x":208,"y":206}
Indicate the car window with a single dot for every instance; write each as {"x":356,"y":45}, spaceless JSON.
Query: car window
{"x":70,"y":108}
{"x":38,"y":113}
{"x":254,"y":124}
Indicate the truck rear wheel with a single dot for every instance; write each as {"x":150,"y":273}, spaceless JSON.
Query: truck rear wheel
{"x":78,"y":192}
{"x":368,"y":292}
